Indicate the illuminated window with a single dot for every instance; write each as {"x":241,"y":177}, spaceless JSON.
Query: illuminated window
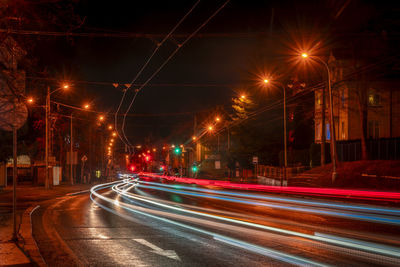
{"x":343,"y":99}
{"x":343,"y":131}
{"x":374,"y":98}
{"x":328,"y":132}
{"x":318,"y":99}
{"x":318,"y":131}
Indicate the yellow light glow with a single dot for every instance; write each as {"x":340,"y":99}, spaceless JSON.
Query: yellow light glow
{"x":173,"y":146}
{"x":266,"y":81}
{"x":101,"y":118}
{"x":194,"y":137}
{"x":181,"y":145}
{"x":86,"y":106}
{"x":30,"y":100}
{"x":217,"y":119}
{"x":304,"y":55}
{"x":243,"y":96}
{"x":114,"y":134}
{"x":110,"y":127}
{"x":210,"y":128}
{"x":65,"y":86}
{"x":154,"y":150}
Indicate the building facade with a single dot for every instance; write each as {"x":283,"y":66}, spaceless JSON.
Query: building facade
{"x":383,"y":107}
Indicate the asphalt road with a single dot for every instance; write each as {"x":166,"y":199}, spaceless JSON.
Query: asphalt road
{"x":162,"y":224}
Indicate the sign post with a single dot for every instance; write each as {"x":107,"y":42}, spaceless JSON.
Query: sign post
{"x":13,"y":115}
{"x":255,"y":162}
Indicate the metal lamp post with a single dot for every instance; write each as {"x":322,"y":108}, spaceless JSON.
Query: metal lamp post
{"x":48,"y":111}
{"x":332,"y":124}
{"x":284,"y":127}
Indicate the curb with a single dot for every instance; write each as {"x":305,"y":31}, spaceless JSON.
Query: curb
{"x":29,"y":245}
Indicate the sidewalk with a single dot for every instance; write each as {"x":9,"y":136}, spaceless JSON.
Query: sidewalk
{"x":24,"y":252}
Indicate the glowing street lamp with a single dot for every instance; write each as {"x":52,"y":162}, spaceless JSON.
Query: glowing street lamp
{"x":86,"y":106}
{"x":332,"y":123}
{"x":114,"y":134}
{"x":217,"y":119}
{"x":194,"y":138}
{"x":266,"y":81}
{"x":30,"y":100}
{"x":101,"y":118}
{"x":210,"y":128}
{"x":110,"y":127}
{"x":242,"y":96}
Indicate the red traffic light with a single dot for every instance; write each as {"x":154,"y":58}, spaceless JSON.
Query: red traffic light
{"x":147,"y":158}
{"x":132,"y":168}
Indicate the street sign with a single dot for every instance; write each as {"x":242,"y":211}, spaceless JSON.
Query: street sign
{"x":255,"y":160}
{"x":12,"y":114}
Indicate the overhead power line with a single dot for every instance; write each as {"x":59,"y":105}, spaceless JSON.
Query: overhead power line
{"x":169,"y":58}
{"x":141,"y":70}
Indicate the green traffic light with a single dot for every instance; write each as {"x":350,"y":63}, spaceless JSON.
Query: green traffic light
{"x":194,"y":169}
{"x":177,"y":150}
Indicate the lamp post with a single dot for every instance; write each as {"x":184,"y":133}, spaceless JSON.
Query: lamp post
{"x":48,"y":111}
{"x":284,"y":127}
{"x":332,"y":124}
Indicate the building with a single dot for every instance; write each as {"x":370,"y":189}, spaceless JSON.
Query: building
{"x":382,"y":109}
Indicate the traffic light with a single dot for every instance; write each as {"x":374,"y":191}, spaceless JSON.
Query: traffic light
{"x":162,"y":168}
{"x":177,"y":150}
{"x":132,"y":168}
{"x":147,"y":158}
{"x":195,"y":168}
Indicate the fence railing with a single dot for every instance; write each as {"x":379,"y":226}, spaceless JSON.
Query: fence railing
{"x":378,"y":149}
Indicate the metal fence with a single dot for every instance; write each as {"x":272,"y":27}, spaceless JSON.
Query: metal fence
{"x":378,"y":149}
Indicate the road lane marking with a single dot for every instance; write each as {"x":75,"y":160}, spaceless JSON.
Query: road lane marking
{"x":285,"y":257}
{"x":369,"y":247}
{"x":157,"y":250}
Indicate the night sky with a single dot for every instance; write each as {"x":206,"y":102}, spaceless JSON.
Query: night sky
{"x":207,"y":71}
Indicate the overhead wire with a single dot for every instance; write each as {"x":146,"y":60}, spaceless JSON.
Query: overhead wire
{"x":169,"y":58}
{"x":140,"y":72}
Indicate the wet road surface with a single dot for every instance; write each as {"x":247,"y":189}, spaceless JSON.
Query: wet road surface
{"x":161,"y":224}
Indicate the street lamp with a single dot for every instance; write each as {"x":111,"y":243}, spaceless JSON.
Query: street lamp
{"x":332,"y":124}
{"x":48,"y":111}
{"x":284,"y":125}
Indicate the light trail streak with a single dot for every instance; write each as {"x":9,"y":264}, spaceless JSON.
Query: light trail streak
{"x":325,"y":192}
{"x":350,"y":243}
{"x":351,"y":207}
{"x":342,"y":214}
{"x":234,"y":242}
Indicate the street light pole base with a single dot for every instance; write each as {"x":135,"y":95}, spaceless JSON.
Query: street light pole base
{"x":334,"y":176}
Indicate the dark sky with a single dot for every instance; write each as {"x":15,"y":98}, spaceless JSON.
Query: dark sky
{"x":213,"y":68}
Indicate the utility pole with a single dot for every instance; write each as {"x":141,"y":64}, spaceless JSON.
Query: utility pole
{"x":284,"y":132}
{"x":46,"y":169}
{"x":323,"y":128}
{"x":71,"y":176}
{"x":229,"y":139}
{"x":15,"y":170}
